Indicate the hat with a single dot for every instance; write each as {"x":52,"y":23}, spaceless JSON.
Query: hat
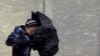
{"x":31,"y":23}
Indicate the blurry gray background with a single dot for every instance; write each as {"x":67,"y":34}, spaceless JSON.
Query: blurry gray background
{"x":77,"y":23}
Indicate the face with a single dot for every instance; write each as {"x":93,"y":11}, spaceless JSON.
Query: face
{"x":30,"y":30}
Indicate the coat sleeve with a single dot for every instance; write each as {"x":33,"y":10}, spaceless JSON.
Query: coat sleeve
{"x":14,"y":38}
{"x":52,"y":41}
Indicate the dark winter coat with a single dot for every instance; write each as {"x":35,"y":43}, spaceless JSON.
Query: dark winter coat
{"x":45,"y":40}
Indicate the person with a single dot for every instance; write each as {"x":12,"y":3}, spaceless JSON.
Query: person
{"x":38,"y":33}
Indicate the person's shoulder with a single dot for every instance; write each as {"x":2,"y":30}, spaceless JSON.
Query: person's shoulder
{"x":19,"y":28}
{"x":46,"y":30}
